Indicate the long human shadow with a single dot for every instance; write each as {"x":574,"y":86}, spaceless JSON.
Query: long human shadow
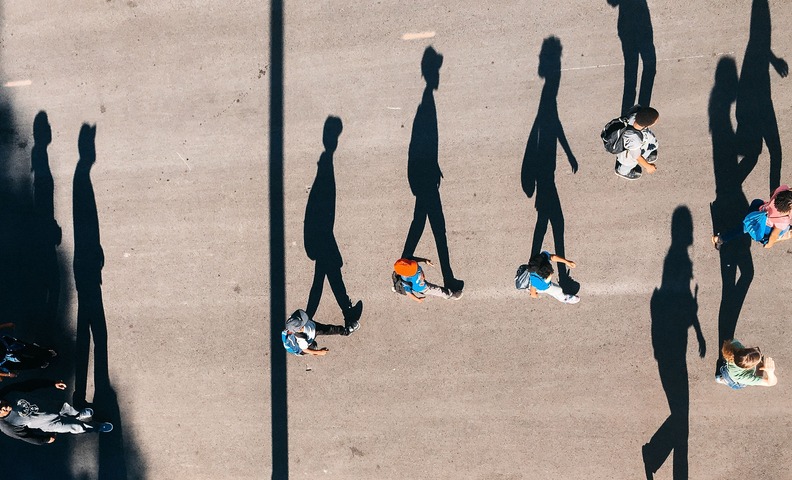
{"x":637,"y":38}
{"x":539,"y":161}
{"x":730,"y":204}
{"x":756,"y":119}
{"x":319,"y":239}
{"x":424,"y":174}
{"x":674,"y":309}
{"x":113,"y":456}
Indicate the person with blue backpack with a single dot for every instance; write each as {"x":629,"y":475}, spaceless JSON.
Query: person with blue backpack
{"x":766,"y":223}
{"x":745,"y":366}
{"x":299,"y":336}
{"x":410,"y":280}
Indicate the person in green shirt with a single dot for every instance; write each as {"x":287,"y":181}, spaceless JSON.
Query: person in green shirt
{"x":745,"y":366}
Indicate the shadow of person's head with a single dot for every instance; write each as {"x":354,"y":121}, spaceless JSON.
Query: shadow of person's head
{"x":430,"y":67}
{"x":682,"y":227}
{"x":42,"y":133}
{"x":550,"y":57}
{"x":614,"y":3}
{"x":86,"y":143}
{"x":332,"y":130}
{"x":726,"y":80}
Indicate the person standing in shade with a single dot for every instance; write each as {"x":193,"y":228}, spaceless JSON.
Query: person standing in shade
{"x":299,"y":336}
{"x":745,"y":366}
{"x":639,"y":143}
{"x":18,"y":355}
{"x":25,"y":421}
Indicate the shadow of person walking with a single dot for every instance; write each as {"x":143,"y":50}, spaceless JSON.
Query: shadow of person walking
{"x":756,"y":119}
{"x":539,"y":161}
{"x":730,"y":204}
{"x":673,"y":311}
{"x":637,"y":38}
{"x":91,"y":322}
{"x":424,"y":174}
{"x":318,"y":236}
{"x":47,"y":233}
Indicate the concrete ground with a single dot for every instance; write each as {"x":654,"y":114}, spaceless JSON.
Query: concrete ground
{"x":494,"y":386}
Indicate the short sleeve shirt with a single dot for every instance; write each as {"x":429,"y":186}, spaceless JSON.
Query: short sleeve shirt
{"x":743,"y":376}
{"x":300,"y":340}
{"x":538,"y":282}
{"x":415,"y":283}
{"x":774,"y":217}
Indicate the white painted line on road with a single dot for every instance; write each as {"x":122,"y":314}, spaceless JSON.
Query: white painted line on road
{"x":18,"y":83}
{"x":185,"y":161}
{"x":393,"y":108}
{"x":676,"y":59}
{"x":418,"y":35}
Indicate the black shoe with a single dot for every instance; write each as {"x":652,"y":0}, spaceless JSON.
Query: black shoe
{"x":351,"y":328}
{"x":647,"y":468}
{"x":652,"y":158}
{"x":353,"y":313}
{"x":455,"y":285}
{"x":634,"y":174}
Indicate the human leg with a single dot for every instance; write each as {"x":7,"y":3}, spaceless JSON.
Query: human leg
{"x":322,"y":329}
{"x":556,"y":292}
{"x":436,"y":291}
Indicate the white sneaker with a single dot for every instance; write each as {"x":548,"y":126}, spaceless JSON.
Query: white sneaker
{"x":571,"y":299}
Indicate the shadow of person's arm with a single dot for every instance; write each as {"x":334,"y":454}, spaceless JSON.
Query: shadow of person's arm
{"x":565,"y":145}
{"x":779,"y":64}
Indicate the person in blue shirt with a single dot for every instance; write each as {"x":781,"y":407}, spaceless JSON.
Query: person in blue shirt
{"x":541,"y":268}
{"x":414,"y":281}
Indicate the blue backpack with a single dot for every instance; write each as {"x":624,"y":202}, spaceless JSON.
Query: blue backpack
{"x":290,"y":344}
{"x":755,"y":225}
{"x":724,"y":375}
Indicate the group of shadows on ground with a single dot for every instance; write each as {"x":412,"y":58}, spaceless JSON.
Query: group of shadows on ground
{"x":673,"y":307}
{"x":34,"y":296}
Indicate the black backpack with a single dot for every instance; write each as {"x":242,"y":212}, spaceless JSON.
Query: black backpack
{"x":613,"y":134}
{"x":522,"y":279}
{"x":398,"y":286}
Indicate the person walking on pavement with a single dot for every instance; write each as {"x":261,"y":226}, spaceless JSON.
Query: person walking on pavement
{"x":639,"y":143}
{"x":25,"y":421}
{"x":414,"y":283}
{"x":540,"y":267}
{"x":299,"y":336}
{"x":18,"y":355}
{"x":778,"y":211}
{"x":745,"y":366}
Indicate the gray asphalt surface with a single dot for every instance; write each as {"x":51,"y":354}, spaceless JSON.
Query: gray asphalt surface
{"x":494,"y":386}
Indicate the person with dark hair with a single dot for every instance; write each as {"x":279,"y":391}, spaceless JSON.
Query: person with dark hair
{"x":25,"y":421}
{"x":299,"y":336}
{"x":18,"y":355}
{"x":541,"y":271}
{"x":779,"y":217}
{"x":745,"y":366}
{"x":640,"y":144}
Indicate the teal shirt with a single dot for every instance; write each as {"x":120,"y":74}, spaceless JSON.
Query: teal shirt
{"x":744,"y":376}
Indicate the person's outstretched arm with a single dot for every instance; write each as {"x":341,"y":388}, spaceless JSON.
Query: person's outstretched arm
{"x":769,"y":378}
{"x":560,"y":259}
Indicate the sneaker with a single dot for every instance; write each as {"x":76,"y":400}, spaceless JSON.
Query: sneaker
{"x":353,"y":313}
{"x":454,"y":284}
{"x":634,"y":174}
{"x":719,"y":379}
{"x":456,"y":295}
{"x":652,"y":158}
{"x":571,"y":299}
{"x":105,"y":427}
{"x":352,"y":327}
{"x":45,"y":365}
{"x":53,"y":353}
{"x":86,"y":414}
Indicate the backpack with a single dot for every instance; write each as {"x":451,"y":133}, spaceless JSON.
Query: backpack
{"x":755,"y":225}
{"x":290,"y":344}
{"x":727,"y":380}
{"x":613,"y":134}
{"x":522,"y":279}
{"x":398,"y":284}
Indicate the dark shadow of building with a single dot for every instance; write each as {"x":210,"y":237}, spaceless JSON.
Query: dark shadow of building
{"x":756,"y":119}
{"x":319,"y":239}
{"x":674,"y":309}
{"x":539,"y":161}
{"x":637,"y":38}
{"x":731,"y":204}
{"x":424,"y":174}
